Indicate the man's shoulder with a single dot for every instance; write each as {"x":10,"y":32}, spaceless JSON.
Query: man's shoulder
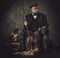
{"x":28,"y":15}
{"x":42,"y":14}
{"x":39,"y":13}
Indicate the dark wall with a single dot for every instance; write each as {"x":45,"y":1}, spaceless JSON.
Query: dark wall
{"x":12,"y":15}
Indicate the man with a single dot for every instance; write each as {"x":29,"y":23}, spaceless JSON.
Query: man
{"x":37,"y":24}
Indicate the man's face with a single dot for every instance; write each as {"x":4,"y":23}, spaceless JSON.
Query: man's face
{"x":34,"y":9}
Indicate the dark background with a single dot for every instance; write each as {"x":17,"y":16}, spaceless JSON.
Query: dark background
{"x":12,"y":15}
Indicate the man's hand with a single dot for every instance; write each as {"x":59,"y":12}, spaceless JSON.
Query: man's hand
{"x":39,"y":29}
{"x":25,"y":23}
{"x":43,"y":29}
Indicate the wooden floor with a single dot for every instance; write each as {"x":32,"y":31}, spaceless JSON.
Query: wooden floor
{"x":54,"y":54}
{"x":25,"y":53}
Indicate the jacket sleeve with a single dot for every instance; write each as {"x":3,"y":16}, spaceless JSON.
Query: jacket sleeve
{"x":44,"y":21}
{"x":27,"y":19}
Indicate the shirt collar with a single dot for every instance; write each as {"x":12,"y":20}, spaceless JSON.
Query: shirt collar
{"x":34,"y":13}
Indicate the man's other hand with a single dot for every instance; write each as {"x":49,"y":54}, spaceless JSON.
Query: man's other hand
{"x":39,"y":29}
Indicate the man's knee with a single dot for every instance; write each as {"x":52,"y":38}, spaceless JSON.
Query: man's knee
{"x":36,"y":33}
